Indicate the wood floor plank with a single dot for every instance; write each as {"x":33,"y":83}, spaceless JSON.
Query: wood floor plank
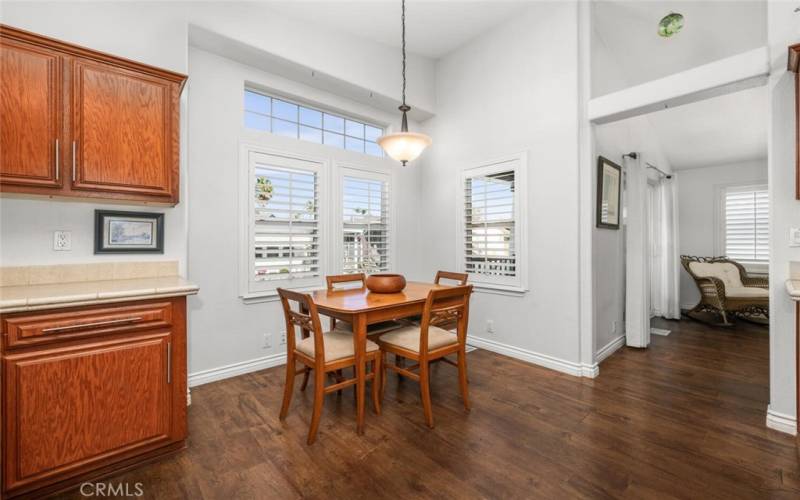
{"x":683,"y":419}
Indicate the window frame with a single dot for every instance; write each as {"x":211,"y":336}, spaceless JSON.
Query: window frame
{"x":518,"y":163}
{"x":372,"y":172}
{"x":253,"y":290}
{"x":345,"y":117}
{"x":720,"y":222}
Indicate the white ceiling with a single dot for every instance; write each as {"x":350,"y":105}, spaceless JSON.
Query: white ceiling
{"x":433,"y":28}
{"x":718,"y":131}
{"x":712,"y":30}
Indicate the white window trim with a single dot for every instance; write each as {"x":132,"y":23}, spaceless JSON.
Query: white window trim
{"x":519,"y":164}
{"x":322,"y":108}
{"x":382,"y":173}
{"x":247,"y":292}
{"x":719,"y":221}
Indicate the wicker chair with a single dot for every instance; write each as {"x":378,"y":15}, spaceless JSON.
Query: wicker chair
{"x":726,"y":288}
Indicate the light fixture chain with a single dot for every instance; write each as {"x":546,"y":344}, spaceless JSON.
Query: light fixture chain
{"x":403,"y":21}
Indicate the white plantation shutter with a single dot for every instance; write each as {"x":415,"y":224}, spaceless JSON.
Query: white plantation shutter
{"x":746,"y":231}
{"x":490,"y":223}
{"x":284,"y":225}
{"x":365,"y":224}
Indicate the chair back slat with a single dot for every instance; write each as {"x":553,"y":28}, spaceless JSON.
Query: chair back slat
{"x":306,"y":317}
{"x":345,"y":278}
{"x":445,"y":305}
{"x":460,"y":278}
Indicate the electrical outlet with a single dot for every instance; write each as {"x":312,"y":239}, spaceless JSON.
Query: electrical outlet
{"x":283,"y":338}
{"x":62,"y":241}
{"x":489,"y":326}
{"x":794,"y":237}
{"x":614,"y":327}
{"x":267,"y":341}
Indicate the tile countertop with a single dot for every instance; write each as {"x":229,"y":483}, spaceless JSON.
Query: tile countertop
{"x":57,"y":295}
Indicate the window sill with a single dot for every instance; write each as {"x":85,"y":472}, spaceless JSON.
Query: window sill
{"x":496,"y":289}
{"x":271,"y":295}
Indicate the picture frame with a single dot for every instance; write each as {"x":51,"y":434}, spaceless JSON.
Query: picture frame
{"x":128,"y":232}
{"x":609,"y":190}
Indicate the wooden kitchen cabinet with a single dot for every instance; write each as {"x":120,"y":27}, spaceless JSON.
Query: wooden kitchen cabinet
{"x":81,"y":123}
{"x":30,"y":115}
{"x":87,"y":391}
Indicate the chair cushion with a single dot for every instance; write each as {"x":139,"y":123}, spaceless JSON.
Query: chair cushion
{"x":382,"y":327}
{"x":725,"y":271}
{"x":408,"y":338}
{"x":338,"y":345}
{"x":747,"y":292}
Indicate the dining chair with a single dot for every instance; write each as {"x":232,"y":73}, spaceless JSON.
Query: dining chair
{"x":460,"y":278}
{"x":426,"y":343}
{"x":343,"y":326}
{"x":321,"y":352}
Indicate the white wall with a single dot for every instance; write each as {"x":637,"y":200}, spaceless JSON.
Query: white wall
{"x":511,"y":90}
{"x":156,"y":33}
{"x":783,"y":30}
{"x":698,"y":211}
{"x":613,"y":140}
{"x":27,"y":225}
{"x":225,"y":330}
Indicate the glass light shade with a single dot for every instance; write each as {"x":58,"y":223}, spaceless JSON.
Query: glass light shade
{"x":670,"y":25}
{"x":404,"y":146}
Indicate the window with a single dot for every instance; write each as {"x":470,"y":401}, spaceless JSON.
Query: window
{"x":494,"y":208}
{"x":282,"y":117}
{"x":284,"y":225}
{"x":745,"y":231}
{"x":365,"y":222}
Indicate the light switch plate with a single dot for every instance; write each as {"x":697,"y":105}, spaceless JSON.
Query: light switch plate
{"x":62,"y":241}
{"x":794,"y":237}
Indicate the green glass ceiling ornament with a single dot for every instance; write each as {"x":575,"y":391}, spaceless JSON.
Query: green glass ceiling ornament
{"x":670,"y":24}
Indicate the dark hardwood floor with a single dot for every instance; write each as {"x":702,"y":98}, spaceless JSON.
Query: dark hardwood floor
{"x":682,"y":419}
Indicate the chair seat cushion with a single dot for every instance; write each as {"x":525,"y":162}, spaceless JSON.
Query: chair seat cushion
{"x":408,"y":338}
{"x":746,"y":292}
{"x":382,"y":327}
{"x":338,"y":345}
{"x":725,"y":271}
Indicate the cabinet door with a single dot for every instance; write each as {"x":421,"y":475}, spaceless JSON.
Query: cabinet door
{"x":124,"y":132}
{"x":30,"y":114}
{"x":72,"y":409}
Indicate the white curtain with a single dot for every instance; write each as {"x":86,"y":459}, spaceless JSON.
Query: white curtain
{"x":665,"y":264}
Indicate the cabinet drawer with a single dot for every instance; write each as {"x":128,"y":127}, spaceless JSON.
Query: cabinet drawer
{"x":41,"y":328}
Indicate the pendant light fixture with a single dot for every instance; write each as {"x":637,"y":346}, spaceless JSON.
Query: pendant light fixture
{"x":404,"y":146}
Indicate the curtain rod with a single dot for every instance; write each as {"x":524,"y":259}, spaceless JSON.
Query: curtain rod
{"x":668,"y":176}
{"x":634,"y":155}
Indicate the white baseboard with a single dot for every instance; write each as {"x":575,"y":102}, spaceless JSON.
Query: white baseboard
{"x":547,"y":361}
{"x":232,"y":370}
{"x":781,"y":422}
{"x":659,"y":331}
{"x":609,"y":349}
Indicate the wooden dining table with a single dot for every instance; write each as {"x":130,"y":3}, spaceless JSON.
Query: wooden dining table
{"x":361,"y":308}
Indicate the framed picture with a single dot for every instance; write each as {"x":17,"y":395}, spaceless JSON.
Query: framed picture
{"x":609,"y":184}
{"x":128,"y":232}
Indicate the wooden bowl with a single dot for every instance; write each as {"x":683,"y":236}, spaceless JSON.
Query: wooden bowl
{"x":386,"y":283}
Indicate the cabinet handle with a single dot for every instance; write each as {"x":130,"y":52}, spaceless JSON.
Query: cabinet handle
{"x":58,"y":166}
{"x":88,"y":325}
{"x":169,"y":362}
{"x":73,"y":161}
